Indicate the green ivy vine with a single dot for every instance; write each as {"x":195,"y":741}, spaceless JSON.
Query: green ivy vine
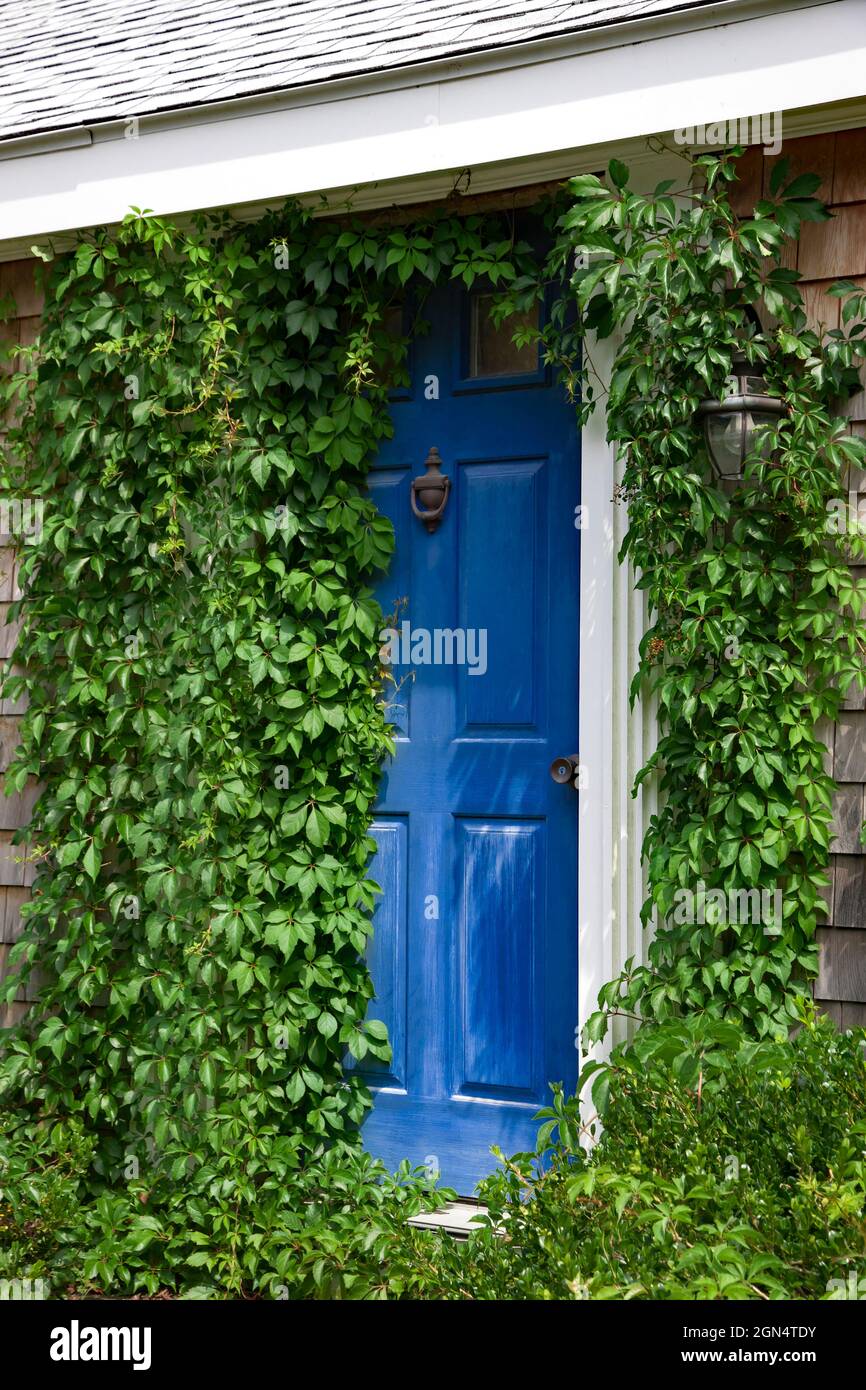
{"x":756,"y":624}
{"x":204,"y":719}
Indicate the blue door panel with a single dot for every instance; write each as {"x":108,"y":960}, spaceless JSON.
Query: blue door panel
{"x":386,"y":953}
{"x":474,"y":952}
{"x":450,"y":1138}
{"x":502,"y":507}
{"x":499,"y":1029}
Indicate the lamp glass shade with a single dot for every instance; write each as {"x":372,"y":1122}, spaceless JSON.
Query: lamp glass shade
{"x":730,"y":424}
{"x":724,"y":435}
{"x":758,"y":438}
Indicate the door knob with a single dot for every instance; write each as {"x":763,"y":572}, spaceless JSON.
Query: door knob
{"x":565,"y":769}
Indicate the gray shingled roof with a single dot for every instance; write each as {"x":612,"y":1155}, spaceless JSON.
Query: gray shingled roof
{"x":77,"y":62}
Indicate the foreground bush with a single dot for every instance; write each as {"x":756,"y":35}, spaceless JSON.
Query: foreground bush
{"x":230,"y":1228}
{"x":727,"y":1169}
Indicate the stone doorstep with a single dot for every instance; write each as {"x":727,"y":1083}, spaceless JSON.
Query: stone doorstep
{"x":455,"y":1218}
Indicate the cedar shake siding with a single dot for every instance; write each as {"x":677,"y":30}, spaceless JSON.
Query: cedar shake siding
{"x":829,"y":251}
{"x":16,"y":280}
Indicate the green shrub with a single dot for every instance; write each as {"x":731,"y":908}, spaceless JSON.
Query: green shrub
{"x":41,"y":1170}
{"x":230,"y":1231}
{"x":234,"y":1228}
{"x":727,"y":1169}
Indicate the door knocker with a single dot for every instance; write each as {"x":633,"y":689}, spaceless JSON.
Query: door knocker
{"x":431,"y":489}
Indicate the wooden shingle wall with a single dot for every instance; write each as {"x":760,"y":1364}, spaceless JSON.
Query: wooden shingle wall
{"x":16,"y":279}
{"x":829,"y":251}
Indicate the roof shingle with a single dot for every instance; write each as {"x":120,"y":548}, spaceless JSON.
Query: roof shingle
{"x":65,"y":63}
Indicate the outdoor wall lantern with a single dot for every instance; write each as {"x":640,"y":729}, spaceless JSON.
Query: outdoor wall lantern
{"x":730,"y":424}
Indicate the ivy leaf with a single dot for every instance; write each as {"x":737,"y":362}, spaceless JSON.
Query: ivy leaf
{"x":142,"y":411}
{"x":258,"y":669}
{"x":295,"y":1088}
{"x":317,"y":828}
{"x":282,"y":934}
{"x":805,"y":186}
{"x":779,"y":173}
{"x":92,"y":860}
{"x":242,"y":976}
{"x":68,"y":852}
{"x":260,"y":469}
{"x":587,"y":186}
{"x":618,"y":173}
{"x":307,"y":882}
{"x":750,"y":803}
{"x":313,"y":721}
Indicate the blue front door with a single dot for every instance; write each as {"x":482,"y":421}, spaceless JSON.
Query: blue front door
{"x":474,"y":951}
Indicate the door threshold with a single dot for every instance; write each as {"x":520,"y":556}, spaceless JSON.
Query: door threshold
{"x":455,"y":1218}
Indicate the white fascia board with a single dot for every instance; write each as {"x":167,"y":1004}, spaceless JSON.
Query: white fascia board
{"x":427,"y":122}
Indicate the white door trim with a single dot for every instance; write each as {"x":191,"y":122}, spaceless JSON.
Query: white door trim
{"x":615,"y":740}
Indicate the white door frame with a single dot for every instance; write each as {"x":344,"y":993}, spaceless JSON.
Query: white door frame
{"x":615,"y":741}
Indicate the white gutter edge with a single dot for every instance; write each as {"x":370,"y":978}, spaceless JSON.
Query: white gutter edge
{"x":542,"y":119}
{"x":434,"y":70}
